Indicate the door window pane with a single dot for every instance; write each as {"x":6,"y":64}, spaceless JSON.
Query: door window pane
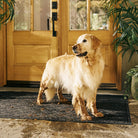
{"x":22,"y":15}
{"x":78,"y":14}
{"x":98,"y":17}
{"x":41,"y":15}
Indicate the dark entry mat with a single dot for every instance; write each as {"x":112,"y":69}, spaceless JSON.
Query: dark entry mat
{"x":22,"y":105}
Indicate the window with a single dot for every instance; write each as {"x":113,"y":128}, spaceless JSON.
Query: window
{"x":22,"y":15}
{"x":79,"y":14}
{"x":41,"y":15}
{"x":34,"y":18}
{"x":98,"y":17}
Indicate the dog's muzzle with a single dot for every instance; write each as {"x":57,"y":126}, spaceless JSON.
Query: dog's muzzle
{"x":78,"y":54}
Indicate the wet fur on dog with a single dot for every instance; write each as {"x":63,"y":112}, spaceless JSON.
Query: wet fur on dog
{"x":79,"y":74}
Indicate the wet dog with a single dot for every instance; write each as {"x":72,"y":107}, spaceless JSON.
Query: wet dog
{"x":79,"y":74}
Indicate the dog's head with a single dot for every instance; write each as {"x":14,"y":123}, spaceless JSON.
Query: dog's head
{"x":85,"y":44}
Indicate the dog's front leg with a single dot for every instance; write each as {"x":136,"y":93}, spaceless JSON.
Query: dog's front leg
{"x":94,"y":109}
{"x":80,"y":108}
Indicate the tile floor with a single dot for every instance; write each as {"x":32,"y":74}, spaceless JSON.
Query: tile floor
{"x":22,"y":128}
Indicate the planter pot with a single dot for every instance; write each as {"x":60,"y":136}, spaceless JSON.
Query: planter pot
{"x":134,"y":86}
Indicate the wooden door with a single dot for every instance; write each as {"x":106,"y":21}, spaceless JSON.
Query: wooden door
{"x":88,"y":16}
{"x":30,"y":41}
{"x":2,"y":53}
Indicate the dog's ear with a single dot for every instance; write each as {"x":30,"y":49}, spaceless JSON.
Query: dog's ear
{"x":95,"y":42}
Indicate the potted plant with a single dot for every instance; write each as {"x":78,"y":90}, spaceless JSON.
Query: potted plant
{"x":125,"y":24}
{"x":6,"y":11}
{"x":131,"y":82}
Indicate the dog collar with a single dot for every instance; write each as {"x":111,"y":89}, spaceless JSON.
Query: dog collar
{"x":82,"y":54}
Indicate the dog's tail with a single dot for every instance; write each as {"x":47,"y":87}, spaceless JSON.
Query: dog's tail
{"x":50,"y":93}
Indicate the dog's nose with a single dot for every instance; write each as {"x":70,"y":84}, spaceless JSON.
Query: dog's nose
{"x":74,"y":47}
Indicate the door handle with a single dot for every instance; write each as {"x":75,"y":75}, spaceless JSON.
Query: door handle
{"x":54,"y":32}
{"x":54,"y":18}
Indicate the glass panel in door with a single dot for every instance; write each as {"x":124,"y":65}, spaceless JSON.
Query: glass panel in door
{"x":78,"y":14}
{"x":98,"y":17}
{"x":41,"y":15}
{"x":27,"y":19}
{"x":22,"y":20}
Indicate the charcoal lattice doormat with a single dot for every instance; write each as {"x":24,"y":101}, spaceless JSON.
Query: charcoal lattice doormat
{"x":22,"y":105}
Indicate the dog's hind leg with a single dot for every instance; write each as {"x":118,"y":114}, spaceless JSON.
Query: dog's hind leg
{"x":60,"y":96}
{"x":41,"y":91}
{"x":80,"y":108}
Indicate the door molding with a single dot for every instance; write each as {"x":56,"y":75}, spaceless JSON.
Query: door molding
{"x":3,"y":55}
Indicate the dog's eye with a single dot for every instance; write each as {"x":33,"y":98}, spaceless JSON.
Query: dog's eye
{"x":84,"y":40}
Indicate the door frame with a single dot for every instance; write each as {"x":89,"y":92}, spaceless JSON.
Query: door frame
{"x":3,"y":79}
{"x":3,"y":56}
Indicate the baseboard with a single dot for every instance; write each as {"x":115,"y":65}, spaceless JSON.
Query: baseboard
{"x":28,"y":84}
{"x":108,"y":86}
{"x":36,"y":84}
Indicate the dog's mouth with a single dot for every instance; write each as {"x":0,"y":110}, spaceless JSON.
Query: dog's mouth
{"x":82,"y":54}
{"x":78,"y":54}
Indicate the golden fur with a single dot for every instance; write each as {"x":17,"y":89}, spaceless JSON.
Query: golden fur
{"x":78,"y":74}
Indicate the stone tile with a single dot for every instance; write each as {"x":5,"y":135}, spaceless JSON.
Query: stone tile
{"x":21,"y":128}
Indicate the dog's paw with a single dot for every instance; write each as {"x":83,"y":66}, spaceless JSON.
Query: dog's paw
{"x":39,"y":102}
{"x":98,"y":114}
{"x":63,"y":100}
{"x":86,"y":118}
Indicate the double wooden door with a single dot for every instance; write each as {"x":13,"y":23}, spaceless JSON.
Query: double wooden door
{"x":31,"y":37}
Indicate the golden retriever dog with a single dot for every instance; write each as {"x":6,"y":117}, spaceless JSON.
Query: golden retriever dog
{"x":79,"y":74}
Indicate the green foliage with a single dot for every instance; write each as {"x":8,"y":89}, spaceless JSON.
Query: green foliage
{"x":128,"y":79}
{"x":125,"y":16}
{"x":7,"y":14}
